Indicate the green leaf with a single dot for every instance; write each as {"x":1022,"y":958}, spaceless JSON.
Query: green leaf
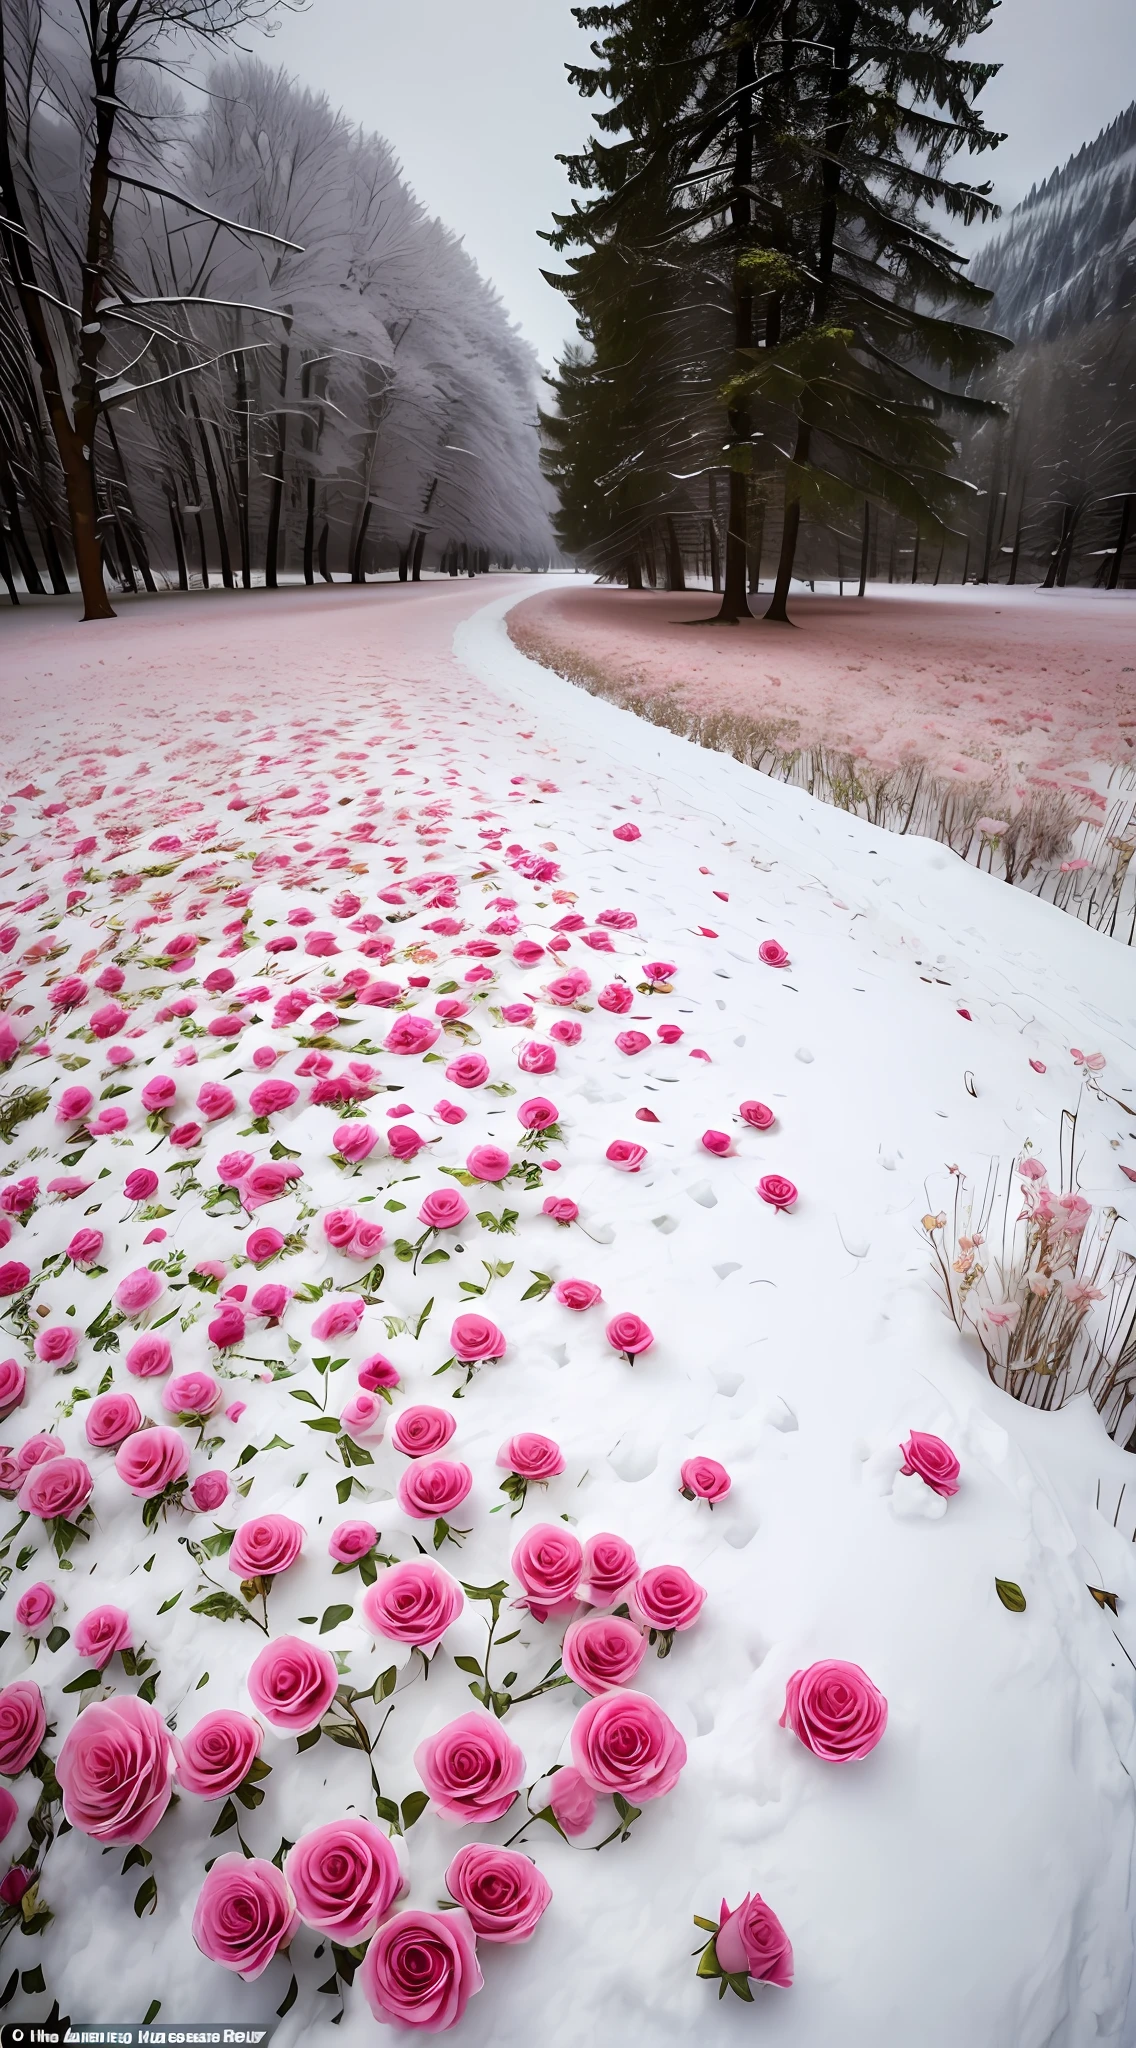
{"x":469,"y":1664}
{"x":542,"y":1285}
{"x":332,"y":1616}
{"x":226,"y":1819}
{"x":9,"y":1991}
{"x":1010,"y":1595}
{"x":708,"y":1964}
{"x":57,"y":1636}
{"x":387,"y":1810}
{"x":85,"y":1680}
{"x":32,"y":1981}
{"x":289,"y":1998}
{"x":330,"y":1425}
{"x":222,"y":1607}
{"x":353,"y":1453}
{"x":302,"y":1394}
{"x":146,"y":1896}
{"x":152,"y":2011}
{"x":217,"y":1545}
{"x":149,"y":1687}
{"x":171,"y":1602}
{"x":309,"y":1740}
{"x":344,"y":1488}
{"x":413,"y":1807}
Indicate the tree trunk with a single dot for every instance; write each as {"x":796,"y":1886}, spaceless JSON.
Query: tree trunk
{"x":634,"y":571}
{"x":123,"y":552}
{"x":214,"y":497}
{"x":1121,"y":542}
{"x":200,"y":525}
{"x":6,"y":570}
{"x":310,"y":532}
{"x":1056,"y":559}
{"x":735,"y":604}
{"x":52,"y":556}
{"x":244,"y":468}
{"x":33,"y":582}
{"x":754,"y":549}
{"x":676,"y":579}
{"x":404,"y":560}
{"x":915,"y":557}
{"x":416,"y":563}
{"x":275,"y":503}
{"x":357,"y":574}
{"x":321,"y":554}
{"x":179,"y":544}
{"x":865,"y":545}
{"x":715,"y":558}
{"x":778,"y":615}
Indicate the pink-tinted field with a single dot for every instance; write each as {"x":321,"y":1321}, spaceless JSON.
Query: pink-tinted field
{"x":1020,"y":688}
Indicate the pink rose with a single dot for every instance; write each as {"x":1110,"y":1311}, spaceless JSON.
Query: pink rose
{"x":36,"y":1450}
{"x":835,"y":1710}
{"x":292,"y":1683}
{"x":73,"y":1104}
{"x":474,"y":1337}
{"x":659,"y":971}
{"x":339,"y":1227}
{"x":140,"y":1184}
{"x":101,"y":1632}
{"x":270,"y":1301}
{"x":411,"y":1034}
{"x":185,"y":1136}
{"x":217,"y":1754}
{"x":158,"y":1093}
{"x":13,"y":1385}
{"x":577,"y":1294}
{"x":705,"y":1479}
{"x":628,"y":1333}
{"x":106,"y":1021}
{"x":449,"y":1112}
{"x":376,"y":1372}
{"x":535,"y":1058}
{"x":14,"y":1277}
{"x":420,"y":1432}
{"x":35,"y":1606}
{"x":58,"y":1490}
{"x":192,"y":1393}
{"x":600,"y":1653}
{"x":773,"y":953}
{"x":267,"y":1182}
{"x":151,"y":1460}
{"x":227,"y":1327}
{"x":403,"y":1142}
{"x":631,"y":1042}
{"x":345,"y":1877}
{"x":469,"y":1070}
{"x":116,"y":1770}
{"x":751,"y":1942}
{"x":209,"y":1491}
{"x":609,"y":1567}
{"x":9,"y":1815}
{"x":488,"y":1162}
{"x":666,"y":1597}
{"x":433,"y":1486}
{"x":340,"y":1318}
{"x":757,"y":1114}
{"x":626,"y":832}
{"x":351,"y":1541}
{"x":23,"y":1721}
{"x":561,"y":1208}
{"x":502,"y":1891}
{"x":354,"y":1141}
{"x":777,"y":1191}
{"x":568,"y":988}
{"x":263,"y":1244}
{"x":616,"y":997}
{"x":139,"y":1291}
{"x":85,"y":1247}
{"x":548,"y":1561}
{"x":531,"y":1456}
{"x":265,"y":1546}
{"x":537,"y":1114}
{"x":244,"y":1914}
{"x":215,"y":1101}
{"x":572,"y":1800}
{"x":670,"y":1034}
{"x":625,"y":1155}
{"x":719,"y":1143}
{"x":269,"y":1097}
{"x":149,"y":1356}
{"x":363,"y":1416}
{"x":623,"y":1742}
{"x":421,"y":1970}
{"x":566,"y":1030}
{"x":933,"y":1460}
{"x":471,"y":1769}
{"x":413,"y":1603}
{"x":444,"y":1209}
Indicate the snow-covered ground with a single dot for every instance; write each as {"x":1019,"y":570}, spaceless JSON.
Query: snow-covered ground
{"x":970,"y":1879}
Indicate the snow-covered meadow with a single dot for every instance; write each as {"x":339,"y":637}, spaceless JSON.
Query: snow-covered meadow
{"x":519,"y":918}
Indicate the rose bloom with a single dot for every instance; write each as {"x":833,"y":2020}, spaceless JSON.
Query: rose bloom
{"x":773,"y":953}
{"x":469,"y":1070}
{"x":354,"y":1141}
{"x":263,"y":1244}
{"x":57,"y":1490}
{"x":705,"y":1479}
{"x":265,"y":1546}
{"x":292,"y":1683}
{"x":531,"y":1456}
{"x":548,"y":1561}
{"x":376,"y":1372}
{"x":411,"y":1034}
{"x":624,"y":1742}
{"x":345,"y":1877}
{"x":444,"y":1209}
{"x":420,"y":1432}
{"x":140,"y":1184}
{"x":433,"y":1486}
{"x":14,"y":1277}
{"x":616,"y":997}
{"x":85,"y":1247}
{"x":13,"y":1385}
{"x":270,"y":1301}
{"x":413,"y":1603}
{"x":566,"y":1030}
{"x":340,"y":1318}
{"x":502,"y":1891}
{"x":835,"y":1710}
{"x":268,"y":1097}
{"x":23,"y":1721}
{"x":577,"y":1294}
{"x":151,"y":1460}
{"x":537,"y":1114}
{"x":244,"y":1914}
{"x":666,"y":1597}
{"x":9,"y":1815}
{"x":352,"y":1541}
{"x":215,"y":1101}
{"x":116,"y":1769}
{"x":473,"y":1337}
{"x":149,"y":1356}
{"x":751,"y":1942}
{"x":101,"y":1632}
{"x":628,"y":1333}
{"x":158,"y":1093}
{"x":421,"y":1970}
{"x":603,"y":1652}
{"x":192,"y":1393}
{"x":572,"y":1800}
{"x":449,"y":1112}
{"x":625,"y":1155}
{"x":488,"y":1162}
{"x":36,"y":1450}
{"x":777,"y":1191}
{"x":35,"y":1606}
{"x":363,"y":1416}
{"x":757,"y":1114}
{"x":609,"y":1567}
{"x":561,"y":1208}
{"x":209,"y":1491}
{"x":217,"y":1754}
{"x":719,"y":1143}
{"x":933,"y":1460}
{"x":139,"y":1291}
{"x":227,"y":1327}
{"x":535,"y":1058}
{"x":632,"y":1042}
{"x":470,"y":1768}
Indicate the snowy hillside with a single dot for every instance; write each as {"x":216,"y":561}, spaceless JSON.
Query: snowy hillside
{"x":1066,"y":257}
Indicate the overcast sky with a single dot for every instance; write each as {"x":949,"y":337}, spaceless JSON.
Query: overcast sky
{"x":476,"y":103}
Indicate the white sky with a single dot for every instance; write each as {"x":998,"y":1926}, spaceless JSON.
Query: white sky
{"x":473,"y":96}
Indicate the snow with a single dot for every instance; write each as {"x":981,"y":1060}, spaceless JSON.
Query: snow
{"x":970,"y":1880}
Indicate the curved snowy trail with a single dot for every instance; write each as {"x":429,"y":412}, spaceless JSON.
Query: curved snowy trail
{"x":360,"y":806}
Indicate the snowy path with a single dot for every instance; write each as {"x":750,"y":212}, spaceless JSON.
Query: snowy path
{"x":969,"y":1880}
